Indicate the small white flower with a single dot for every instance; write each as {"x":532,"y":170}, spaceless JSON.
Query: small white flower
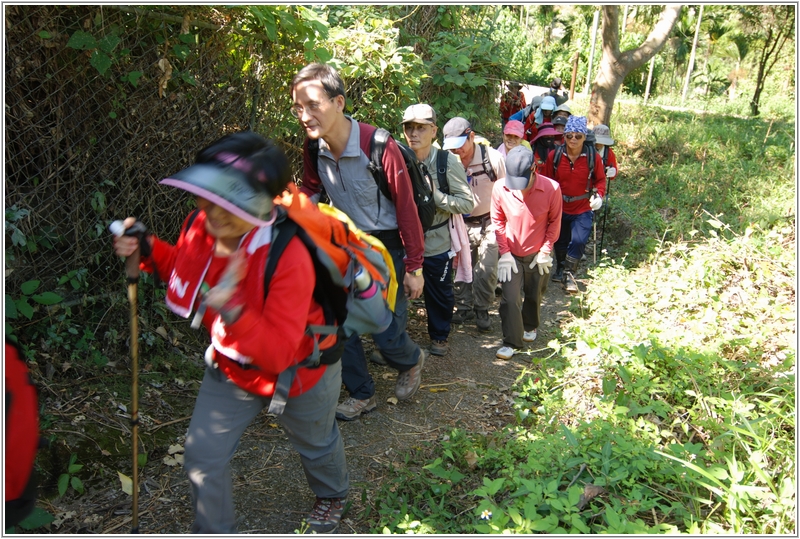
{"x":486,"y":515}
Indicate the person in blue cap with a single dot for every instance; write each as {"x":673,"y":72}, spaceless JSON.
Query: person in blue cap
{"x":582,"y":190}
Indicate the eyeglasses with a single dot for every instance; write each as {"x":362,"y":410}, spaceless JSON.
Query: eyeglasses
{"x":313,"y":107}
{"x":570,"y":136}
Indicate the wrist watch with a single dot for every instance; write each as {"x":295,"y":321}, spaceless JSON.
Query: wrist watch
{"x":416,"y":272}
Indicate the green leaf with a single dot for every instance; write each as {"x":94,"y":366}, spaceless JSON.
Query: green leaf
{"x":82,"y":41}
{"x":612,"y":518}
{"x":29,"y":287}
{"x":189,"y":39}
{"x":141,"y":458}
{"x":74,"y":468}
{"x":24,"y":307}
{"x":109,"y":43}
{"x":322,"y":54}
{"x":571,"y":440}
{"x":44,"y":34}
{"x":48,"y":298}
{"x":100,"y":61}
{"x":11,"y":308}
{"x":181,"y":51}
{"x":63,"y":483}
{"x":38,"y":518}
{"x":77,"y":484}
{"x":493,"y":486}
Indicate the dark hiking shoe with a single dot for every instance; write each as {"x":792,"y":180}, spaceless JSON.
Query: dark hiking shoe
{"x":325,"y":515}
{"x":438,"y":348}
{"x":558,"y":274}
{"x":462,"y":315}
{"x":569,"y":282}
{"x":408,"y":381}
{"x":482,"y":319}
{"x":378,"y":358}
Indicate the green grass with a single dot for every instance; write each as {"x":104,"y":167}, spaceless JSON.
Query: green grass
{"x":669,"y":403}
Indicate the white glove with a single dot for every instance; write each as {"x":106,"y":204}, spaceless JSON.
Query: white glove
{"x":595,"y":202}
{"x":505,"y":266}
{"x":544,"y":261}
{"x":611,"y":172}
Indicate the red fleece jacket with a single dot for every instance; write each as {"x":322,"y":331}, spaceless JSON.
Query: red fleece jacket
{"x":272,"y":333}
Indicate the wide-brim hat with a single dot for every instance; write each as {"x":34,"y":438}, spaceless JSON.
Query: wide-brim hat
{"x":514,"y":84}
{"x":228,"y":188}
{"x":518,"y":167}
{"x":546,"y":130}
{"x":602,"y":135}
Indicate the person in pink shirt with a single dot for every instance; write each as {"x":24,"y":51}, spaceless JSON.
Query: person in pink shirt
{"x":526,"y":213}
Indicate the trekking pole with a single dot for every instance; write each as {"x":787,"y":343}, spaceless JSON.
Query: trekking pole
{"x":605,"y":215}
{"x":594,"y":249}
{"x":132,"y":274}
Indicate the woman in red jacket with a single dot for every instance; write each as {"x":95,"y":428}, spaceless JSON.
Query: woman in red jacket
{"x":216,"y":270}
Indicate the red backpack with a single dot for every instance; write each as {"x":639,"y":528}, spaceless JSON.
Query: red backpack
{"x":22,"y":437}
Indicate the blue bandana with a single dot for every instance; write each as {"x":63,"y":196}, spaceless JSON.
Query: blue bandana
{"x":576,"y":124}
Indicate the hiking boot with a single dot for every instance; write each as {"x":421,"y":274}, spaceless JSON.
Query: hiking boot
{"x":462,"y":315}
{"x":558,"y":274}
{"x":569,"y":282}
{"x":529,"y":336}
{"x":482,"y":319}
{"x":505,"y":352}
{"x":378,"y":358}
{"x":438,"y":348}
{"x":353,"y":408}
{"x":408,"y":381}
{"x":325,"y":515}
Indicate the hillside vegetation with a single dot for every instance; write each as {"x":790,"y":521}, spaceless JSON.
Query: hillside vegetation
{"x":668,"y":403}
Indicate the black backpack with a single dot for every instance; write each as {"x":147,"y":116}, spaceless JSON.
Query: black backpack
{"x":421,"y":181}
{"x":591,"y":155}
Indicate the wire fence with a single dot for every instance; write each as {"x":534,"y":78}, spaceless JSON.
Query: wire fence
{"x":101,"y":102}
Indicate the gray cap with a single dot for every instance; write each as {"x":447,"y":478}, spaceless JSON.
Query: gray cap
{"x":518,"y":168}
{"x":456,"y":131}
{"x":602,"y":135}
{"x":420,"y":114}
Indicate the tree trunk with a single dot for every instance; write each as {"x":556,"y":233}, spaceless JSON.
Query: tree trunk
{"x":615,"y":65}
{"x":691,"y":57}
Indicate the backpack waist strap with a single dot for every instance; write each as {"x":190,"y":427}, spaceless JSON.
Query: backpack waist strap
{"x":579,"y":197}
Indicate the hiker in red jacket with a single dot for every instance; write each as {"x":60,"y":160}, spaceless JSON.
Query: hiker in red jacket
{"x":581,"y":194}
{"x":603,"y":143}
{"x":216,"y":269}
{"x":512,"y":101}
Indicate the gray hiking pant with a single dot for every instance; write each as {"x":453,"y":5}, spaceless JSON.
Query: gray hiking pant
{"x":222,"y":413}
{"x":516,"y":315}
{"x":479,"y":294}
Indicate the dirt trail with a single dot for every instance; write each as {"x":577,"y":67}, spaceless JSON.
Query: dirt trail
{"x":468,"y":387}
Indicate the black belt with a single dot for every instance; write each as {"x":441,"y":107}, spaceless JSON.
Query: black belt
{"x":477,"y":219}
{"x":389,"y":238}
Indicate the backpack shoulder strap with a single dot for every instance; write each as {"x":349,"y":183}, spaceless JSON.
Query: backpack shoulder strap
{"x":487,"y":166}
{"x":377,"y":145}
{"x":313,"y":152}
{"x":282,"y":233}
{"x":441,"y":171}
{"x":557,"y":157}
{"x":190,"y":220}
